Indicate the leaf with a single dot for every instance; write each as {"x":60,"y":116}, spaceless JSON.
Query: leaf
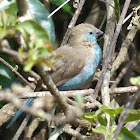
{"x":136,"y":130}
{"x":114,"y":104}
{"x":90,"y":116}
{"x":133,"y":115}
{"x":102,"y":119}
{"x":66,"y":7}
{"x":113,"y":110}
{"x":117,"y":8}
{"x":5,"y":4}
{"x":100,"y":129}
{"x":32,"y":30}
{"x":135,"y":80}
{"x":126,"y":135}
{"x":39,"y":13}
{"x":8,"y":21}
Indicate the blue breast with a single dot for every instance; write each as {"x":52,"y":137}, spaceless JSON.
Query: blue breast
{"x":86,"y":73}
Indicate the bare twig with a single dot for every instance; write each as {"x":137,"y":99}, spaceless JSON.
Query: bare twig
{"x":73,"y":93}
{"x":9,"y":110}
{"x":112,"y":46}
{"x":16,"y":101}
{"x":73,"y":21}
{"x":52,"y":87}
{"x":130,"y":15}
{"x":6,"y":112}
{"x":110,"y":27}
{"x":32,"y":127}
{"x":14,"y":70}
{"x":121,"y":90}
{"x":125,"y":46}
{"x":74,"y":133}
{"x":124,"y":114}
{"x":124,"y":70}
{"x":21,"y":128}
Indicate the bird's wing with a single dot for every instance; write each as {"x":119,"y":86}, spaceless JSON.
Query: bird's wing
{"x":69,"y":66}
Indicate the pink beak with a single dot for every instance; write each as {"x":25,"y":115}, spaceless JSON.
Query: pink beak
{"x":99,"y":32}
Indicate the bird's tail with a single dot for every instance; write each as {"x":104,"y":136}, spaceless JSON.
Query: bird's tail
{"x":29,"y":101}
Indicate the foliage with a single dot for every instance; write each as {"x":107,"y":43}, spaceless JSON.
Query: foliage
{"x":135,"y":80}
{"x":113,"y":111}
{"x":38,"y":33}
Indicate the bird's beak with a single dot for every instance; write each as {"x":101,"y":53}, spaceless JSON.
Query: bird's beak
{"x":99,"y":32}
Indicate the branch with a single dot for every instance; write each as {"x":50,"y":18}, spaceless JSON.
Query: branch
{"x":52,"y":88}
{"x":21,"y":128}
{"x":14,"y":70}
{"x":125,"y":46}
{"x":74,"y":133}
{"x":73,"y":21}
{"x":123,"y":71}
{"x":73,"y":93}
{"x":110,"y":27}
{"x":112,"y":47}
{"x":129,"y":105}
{"x":4,"y":48}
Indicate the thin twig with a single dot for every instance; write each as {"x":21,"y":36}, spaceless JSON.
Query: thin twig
{"x":15,"y":55}
{"x":14,"y":70}
{"x":73,"y":22}
{"x":124,"y":70}
{"x":112,"y":47}
{"x":21,"y":128}
{"x":125,"y":46}
{"x":129,"y":105}
{"x":74,"y":133}
{"x":32,"y":127}
{"x":130,"y":15}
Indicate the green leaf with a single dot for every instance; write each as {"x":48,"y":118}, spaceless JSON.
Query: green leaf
{"x":12,"y":9}
{"x":133,"y":115}
{"x":66,"y":7}
{"x":91,"y":117}
{"x":5,"y":4}
{"x":32,"y":31}
{"x":136,"y":130}
{"x":126,"y":135}
{"x":114,"y":104}
{"x":39,"y":13}
{"x":100,"y":129}
{"x":8,"y":21}
{"x":37,"y":40}
{"x":102,"y":119}
{"x":117,"y":8}
{"x":113,"y":110}
{"x":135,"y":80}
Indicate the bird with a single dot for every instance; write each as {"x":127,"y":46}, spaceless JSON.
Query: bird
{"x":81,"y":57}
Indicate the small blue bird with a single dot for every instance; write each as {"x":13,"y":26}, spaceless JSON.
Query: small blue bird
{"x":82,"y":55}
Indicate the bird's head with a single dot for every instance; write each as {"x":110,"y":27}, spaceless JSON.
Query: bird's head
{"x":84,"y":33}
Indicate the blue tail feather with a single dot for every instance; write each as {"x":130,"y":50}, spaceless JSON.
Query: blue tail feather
{"x":29,"y":101}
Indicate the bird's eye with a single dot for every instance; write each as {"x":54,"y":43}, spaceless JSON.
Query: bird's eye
{"x":90,"y":33}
